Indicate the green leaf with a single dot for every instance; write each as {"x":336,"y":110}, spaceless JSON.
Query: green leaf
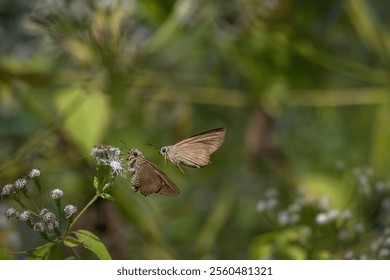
{"x":285,"y":244}
{"x":86,"y":115}
{"x":91,"y":242}
{"x":107,"y":196}
{"x":41,"y":252}
{"x":71,"y":241}
{"x":95,"y":183}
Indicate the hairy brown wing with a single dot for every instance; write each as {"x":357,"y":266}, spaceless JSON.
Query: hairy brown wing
{"x":153,"y":180}
{"x":196,"y":150}
{"x":209,"y":140}
{"x":197,"y":155}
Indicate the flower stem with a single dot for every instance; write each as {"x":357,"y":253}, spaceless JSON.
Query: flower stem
{"x":17,"y":199}
{"x":96,"y":196}
{"x":58,"y":204}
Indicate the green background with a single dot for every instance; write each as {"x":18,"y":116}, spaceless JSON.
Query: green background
{"x":302,"y":88}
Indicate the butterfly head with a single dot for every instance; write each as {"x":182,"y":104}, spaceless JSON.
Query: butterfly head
{"x":134,"y":154}
{"x":164,"y":152}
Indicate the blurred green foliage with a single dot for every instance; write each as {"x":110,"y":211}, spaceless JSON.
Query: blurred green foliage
{"x":301,"y":86}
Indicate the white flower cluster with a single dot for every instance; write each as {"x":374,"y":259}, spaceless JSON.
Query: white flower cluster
{"x":110,"y":156}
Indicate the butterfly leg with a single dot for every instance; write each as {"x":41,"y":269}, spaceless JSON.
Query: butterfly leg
{"x":135,"y":184}
{"x":178,"y":166}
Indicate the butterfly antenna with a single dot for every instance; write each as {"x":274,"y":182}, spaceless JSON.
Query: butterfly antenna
{"x":125,"y":144}
{"x":153,"y":146}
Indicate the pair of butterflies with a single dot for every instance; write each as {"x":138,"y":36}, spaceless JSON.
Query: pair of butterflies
{"x":194,"y":152}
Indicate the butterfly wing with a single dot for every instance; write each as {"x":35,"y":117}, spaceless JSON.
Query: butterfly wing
{"x":150,"y":179}
{"x":211,"y":139}
{"x":195,"y":151}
